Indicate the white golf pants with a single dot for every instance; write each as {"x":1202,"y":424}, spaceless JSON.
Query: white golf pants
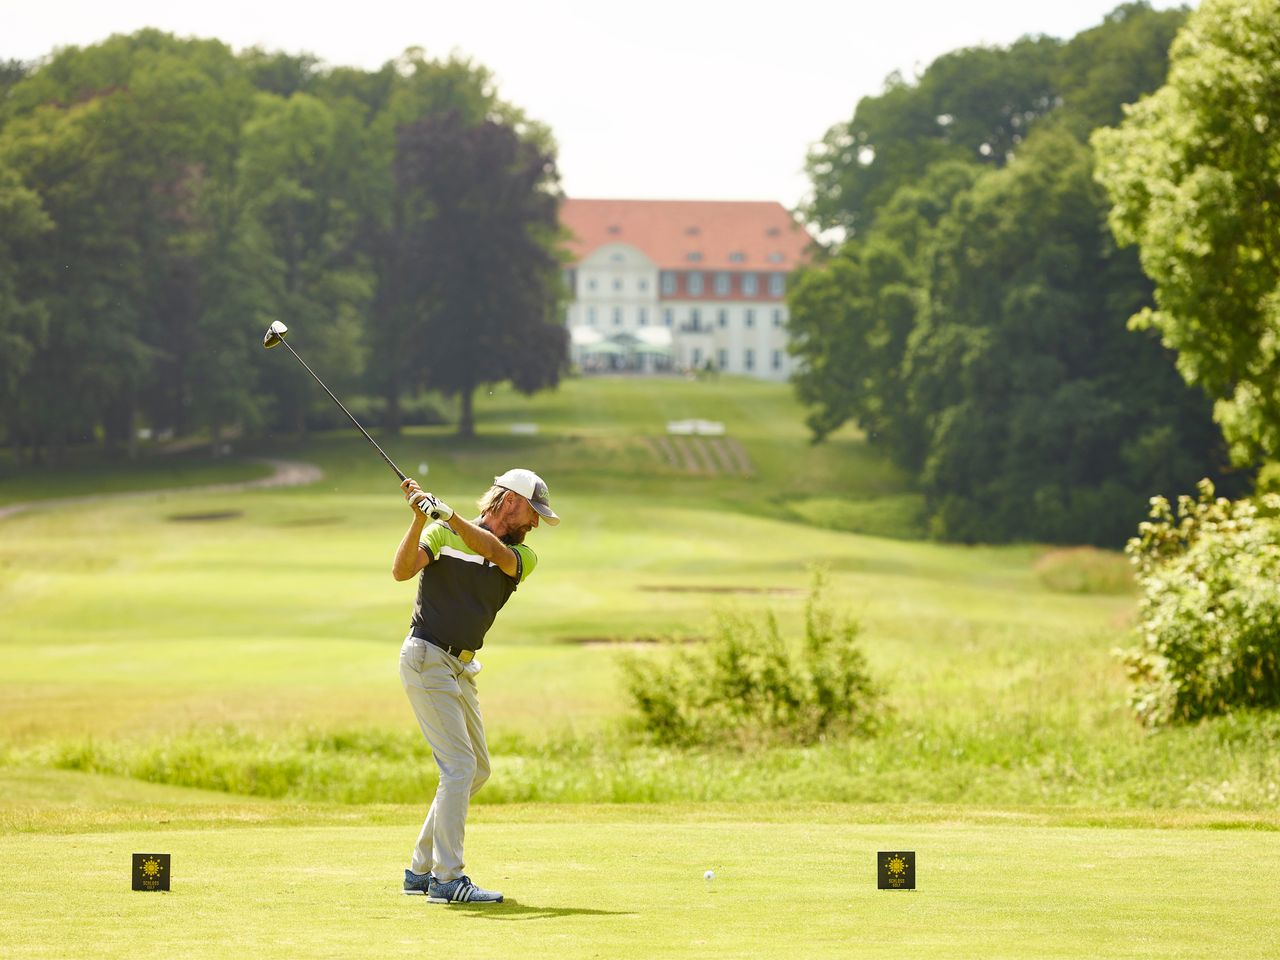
{"x":442,"y":691}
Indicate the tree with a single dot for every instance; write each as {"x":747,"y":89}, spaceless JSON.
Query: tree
{"x":119,"y":141}
{"x":404,"y":91}
{"x":973,"y":106}
{"x":1102,"y":69}
{"x":299,"y":176}
{"x":852,"y":315}
{"x":972,"y":322}
{"x":479,"y":258}
{"x":1044,"y":417}
{"x":1193,"y":175}
{"x":22,"y":317}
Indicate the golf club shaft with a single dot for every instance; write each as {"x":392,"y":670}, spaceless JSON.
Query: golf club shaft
{"x":390,"y":463}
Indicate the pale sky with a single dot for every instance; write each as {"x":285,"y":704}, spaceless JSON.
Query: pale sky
{"x":700,"y":99}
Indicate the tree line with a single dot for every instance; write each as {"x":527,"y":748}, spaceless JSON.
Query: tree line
{"x":973,"y":320}
{"x":163,"y":200}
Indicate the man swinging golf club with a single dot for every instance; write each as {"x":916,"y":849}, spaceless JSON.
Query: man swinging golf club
{"x":466,"y":571}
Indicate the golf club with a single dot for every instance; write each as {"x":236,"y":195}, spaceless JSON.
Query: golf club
{"x":273,"y":338}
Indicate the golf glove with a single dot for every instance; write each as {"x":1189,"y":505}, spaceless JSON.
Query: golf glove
{"x":433,"y":508}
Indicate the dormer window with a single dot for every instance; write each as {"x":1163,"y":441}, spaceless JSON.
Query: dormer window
{"x":737,"y":257}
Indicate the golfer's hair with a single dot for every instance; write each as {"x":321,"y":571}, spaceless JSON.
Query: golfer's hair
{"x":492,"y":498}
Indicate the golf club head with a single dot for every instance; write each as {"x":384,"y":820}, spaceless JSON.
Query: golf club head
{"x":274,"y":335}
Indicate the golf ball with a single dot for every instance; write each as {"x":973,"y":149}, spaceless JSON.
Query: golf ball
{"x":709,"y":875}
{"x":422,"y":467}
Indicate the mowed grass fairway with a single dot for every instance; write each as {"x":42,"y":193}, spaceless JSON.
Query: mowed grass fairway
{"x":214,"y":675}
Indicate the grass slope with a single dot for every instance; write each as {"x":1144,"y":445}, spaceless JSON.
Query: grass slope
{"x":256,"y":653}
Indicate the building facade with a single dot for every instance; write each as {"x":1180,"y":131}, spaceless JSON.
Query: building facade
{"x":681,"y":285}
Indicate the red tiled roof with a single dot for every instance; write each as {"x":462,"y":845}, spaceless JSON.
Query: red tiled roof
{"x":721,"y":234}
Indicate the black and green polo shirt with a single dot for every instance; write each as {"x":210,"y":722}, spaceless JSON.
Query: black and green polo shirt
{"x":459,"y":591}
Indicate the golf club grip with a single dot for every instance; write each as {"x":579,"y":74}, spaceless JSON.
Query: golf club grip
{"x":334,"y":398}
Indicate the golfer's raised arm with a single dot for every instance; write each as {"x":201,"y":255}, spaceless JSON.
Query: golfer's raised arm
{"x":410,"y":558}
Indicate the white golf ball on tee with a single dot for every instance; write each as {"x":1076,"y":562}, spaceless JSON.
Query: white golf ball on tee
{"x":709,"y":875}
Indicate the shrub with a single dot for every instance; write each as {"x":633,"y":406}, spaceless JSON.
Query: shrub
{"x":749,"y":686}
{"x":1209,"y":624}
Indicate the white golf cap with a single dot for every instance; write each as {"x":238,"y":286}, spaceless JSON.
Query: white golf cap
{"x":530,"y":486}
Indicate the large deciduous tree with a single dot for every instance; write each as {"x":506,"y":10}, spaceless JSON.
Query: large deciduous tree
{"x":119,"y":141}
{"x":299,"y":176}
{"x":972,"y":105}
{"x":478,"y":257}
{"x":852,"y":316}
{"x":22,"y":317}
{"x":972,"y":323}
{"x":1193,"y":173}
{"x":1043,"y":416}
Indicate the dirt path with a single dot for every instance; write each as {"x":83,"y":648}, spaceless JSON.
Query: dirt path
{"x":285,"y":473}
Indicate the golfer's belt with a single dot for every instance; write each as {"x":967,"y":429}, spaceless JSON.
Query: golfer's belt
{"x":462,"y":653}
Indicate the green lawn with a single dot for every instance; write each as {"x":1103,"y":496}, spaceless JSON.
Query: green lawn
{"x":626,"y":881}
{"x":255,"y":654}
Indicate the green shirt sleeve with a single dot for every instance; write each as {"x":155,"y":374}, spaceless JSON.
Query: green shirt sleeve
{"x":528,"y":560}
{"x":434,"y":537}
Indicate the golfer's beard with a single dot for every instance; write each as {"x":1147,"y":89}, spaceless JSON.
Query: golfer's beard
{"x":514,"y":537}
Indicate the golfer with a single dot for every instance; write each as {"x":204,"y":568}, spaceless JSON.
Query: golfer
{"x":466,"y":571}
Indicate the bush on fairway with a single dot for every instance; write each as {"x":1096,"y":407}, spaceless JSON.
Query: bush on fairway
{"x":1209,"y":613}
{"x":749,"y":686}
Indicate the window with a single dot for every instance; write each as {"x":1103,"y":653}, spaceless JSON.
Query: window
{"x":617,"y":316}
{"x":722,"y":359}
{"x":695,"y":284}
{"x":695,"y":319}
{"x":749,"y":284}
{"x":722,"y":284}
{"x":750,"y":317}
{"x":777,"y":318}
{"x":617,"y":284}
{"x":668,"y":317}
{"x":642,"y":316}
{"x":591,"y":284}
{"x":642,"y":285}
{"x":748,"y":359}
{"x":591,"y":316}
{"x":777,"y":359}
{"x":693,"y":256}
{"x":616,"y":258}
{"x":668,"y":282}
{"x":737,"y":256}
{"x":775,"y":257}
{"x":777,"y":284}
{"x":722,"y":317}
{"x":697,"y":357}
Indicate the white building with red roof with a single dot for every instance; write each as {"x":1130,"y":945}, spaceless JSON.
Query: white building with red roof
{"x":681,"y":284}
